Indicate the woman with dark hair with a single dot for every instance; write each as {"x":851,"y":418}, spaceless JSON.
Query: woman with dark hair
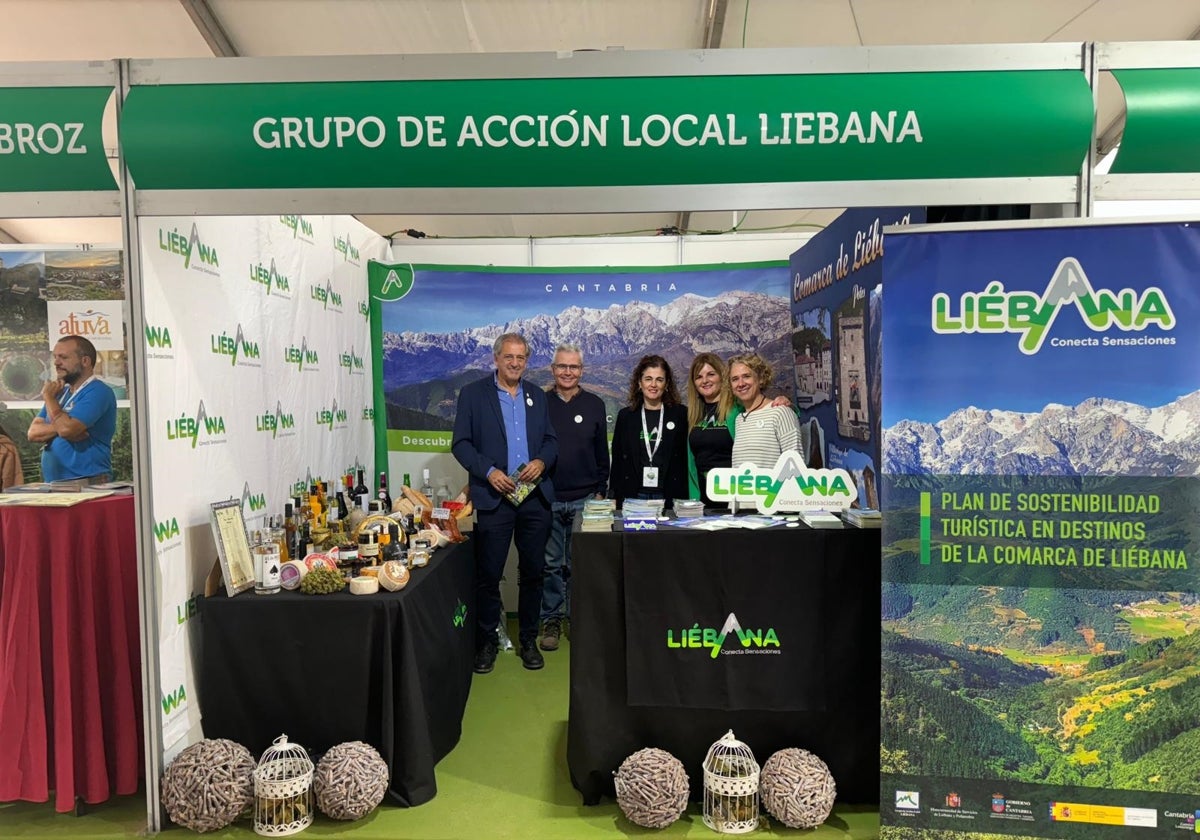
{"x":11,"y":472}
{"x":649,"y":449}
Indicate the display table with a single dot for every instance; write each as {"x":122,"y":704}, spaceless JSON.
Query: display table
{"x":70,"y":656}
{"x":391,"y":669}
{"x":829,"y":578}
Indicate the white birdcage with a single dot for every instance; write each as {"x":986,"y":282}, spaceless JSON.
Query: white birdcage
{"x":283,"y":800}
{"x":730,"y":787}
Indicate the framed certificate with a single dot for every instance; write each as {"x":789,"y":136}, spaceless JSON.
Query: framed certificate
{"x":233,"y":546}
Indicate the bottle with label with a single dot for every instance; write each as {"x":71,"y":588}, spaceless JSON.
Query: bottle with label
{"x":280,"y":537}
{"x":361,"y":489}
{"x":427,"y":485}
{"x":266,"y":565}
{"x":343,"y":511}
{"x":289,"y":531}
{"x":443,"y":493}
{"x":383,"y":493}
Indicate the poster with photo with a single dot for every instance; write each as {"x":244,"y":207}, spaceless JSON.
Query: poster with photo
{"x":439,"y":323}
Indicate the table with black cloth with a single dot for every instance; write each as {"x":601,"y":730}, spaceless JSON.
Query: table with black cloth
{"x":392,"y":669}
{"x":639,"y":680}
{"x":70,"y":654}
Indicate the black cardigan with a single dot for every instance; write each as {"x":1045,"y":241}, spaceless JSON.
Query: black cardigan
{"x":629,"y":455}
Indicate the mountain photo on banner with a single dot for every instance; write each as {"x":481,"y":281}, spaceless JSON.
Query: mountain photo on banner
{"x":437,"y":333}
{"x":1041,"y":485}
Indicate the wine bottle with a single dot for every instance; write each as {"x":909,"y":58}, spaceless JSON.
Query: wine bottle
{"x":343,"y":511}
{"x":407,"y":480}
{"x":361,"y":489}
{"x":383,"y":493}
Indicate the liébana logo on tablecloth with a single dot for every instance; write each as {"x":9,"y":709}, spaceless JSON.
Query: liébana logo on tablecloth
{"x":748,"y":640}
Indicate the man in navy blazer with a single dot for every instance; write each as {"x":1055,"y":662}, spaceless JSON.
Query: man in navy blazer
{"x":503,"y":425}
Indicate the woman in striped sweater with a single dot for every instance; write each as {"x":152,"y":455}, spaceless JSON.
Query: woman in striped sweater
{"x":762,"y":431}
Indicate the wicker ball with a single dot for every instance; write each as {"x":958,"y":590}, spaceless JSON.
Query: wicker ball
{"x":797,"y":788}
{"x":652,"y":788}
{"x":208,"y":785}
{"x":350,"y":780}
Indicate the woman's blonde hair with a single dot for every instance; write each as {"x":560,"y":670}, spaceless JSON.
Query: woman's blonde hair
{"x":696,"y":402}
{"x":759,"y":366}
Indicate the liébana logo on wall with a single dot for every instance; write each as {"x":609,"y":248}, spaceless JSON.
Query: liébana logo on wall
{"x":787,"y":486}
{"x":201,"y":430}
{"x":300,"y":227}
{"x":1031,"y":316}
{"x":269,"y":277}
{"x":240,"y":350}
{"x":330,"y":300}
{"x":305,"y":358}
{"x":741,"y":641}
{"x":277,"y":423}
{"x":197,"y":254}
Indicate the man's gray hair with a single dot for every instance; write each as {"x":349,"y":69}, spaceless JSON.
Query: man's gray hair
{"x":567,"y":347}
{"x":499,"y":342}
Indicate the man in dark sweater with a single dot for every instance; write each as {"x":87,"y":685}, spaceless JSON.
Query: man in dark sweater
{"x":579,"y":420}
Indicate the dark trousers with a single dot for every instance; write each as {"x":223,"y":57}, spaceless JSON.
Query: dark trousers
{"x":529,"y":527}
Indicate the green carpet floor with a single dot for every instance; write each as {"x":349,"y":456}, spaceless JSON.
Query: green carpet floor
{"x":506,"y":779}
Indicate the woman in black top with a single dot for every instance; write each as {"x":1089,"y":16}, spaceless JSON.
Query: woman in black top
{"x":649,"y":449}
{"x":710,"y":440}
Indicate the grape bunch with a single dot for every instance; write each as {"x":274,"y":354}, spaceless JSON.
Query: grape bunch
{"x":322,"y":582}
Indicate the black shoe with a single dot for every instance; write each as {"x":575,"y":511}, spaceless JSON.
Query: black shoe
{"x":531,"y":657}
{"x":485,"y":659}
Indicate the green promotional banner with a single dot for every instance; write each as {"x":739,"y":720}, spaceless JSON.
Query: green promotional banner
{"x":1162,"y":121}
{"x":608,"y":131}
{"x":50,"y":139}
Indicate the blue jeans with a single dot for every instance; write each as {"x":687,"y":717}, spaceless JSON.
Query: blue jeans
{"x":556,"y":583}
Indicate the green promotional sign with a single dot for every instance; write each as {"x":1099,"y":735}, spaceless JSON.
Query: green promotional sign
{"x":1162,"y":121}
{"x":608,"y":131}
{"x":50,"y":139}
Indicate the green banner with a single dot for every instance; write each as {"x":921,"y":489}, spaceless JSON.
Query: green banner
{"x":50,"y":139}
{"x":607,"y":131}
{"x":1162,"y":121}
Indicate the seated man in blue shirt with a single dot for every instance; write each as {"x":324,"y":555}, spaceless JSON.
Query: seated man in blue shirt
{"x":76,"y":425}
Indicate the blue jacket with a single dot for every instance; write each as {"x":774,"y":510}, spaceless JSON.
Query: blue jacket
{"x":480,"y":441}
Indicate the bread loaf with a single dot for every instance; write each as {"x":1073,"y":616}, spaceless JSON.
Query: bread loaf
{"x":416,"y":496}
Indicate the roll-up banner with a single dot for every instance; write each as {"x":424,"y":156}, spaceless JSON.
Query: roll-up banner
{"x":1041,"y":446}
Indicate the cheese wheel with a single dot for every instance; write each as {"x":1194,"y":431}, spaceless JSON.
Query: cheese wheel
{"x":364,"y":585}
{"x":291,"y":573}
{"x":319,"y":560}
{"x":393,"y":575}
{"x":435,"y":537}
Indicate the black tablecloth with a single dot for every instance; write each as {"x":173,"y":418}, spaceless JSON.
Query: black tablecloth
{"x":392,"y":669}
{"x":841,"y":726}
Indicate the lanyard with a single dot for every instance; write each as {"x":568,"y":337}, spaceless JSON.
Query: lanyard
{"x":646,"y":432}
{"x":70,"y":401}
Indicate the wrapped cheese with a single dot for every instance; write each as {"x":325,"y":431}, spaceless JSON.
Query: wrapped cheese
{"x":363,"y":585}
{"x":393,"y":575}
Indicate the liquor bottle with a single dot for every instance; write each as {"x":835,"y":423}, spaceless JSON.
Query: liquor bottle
{"x":443,"y":493}
{"x":361,"y":489}
{"x":314,"y":503}
{"x":426,"y":485}
{"x":343,"y":511}
{"x":383,"y":493}
{"x":280,"y":535}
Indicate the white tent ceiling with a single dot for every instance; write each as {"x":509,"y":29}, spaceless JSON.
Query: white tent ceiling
{"x":43,"y":30}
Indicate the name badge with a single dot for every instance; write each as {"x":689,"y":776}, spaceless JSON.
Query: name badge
{"x":649,"y":476}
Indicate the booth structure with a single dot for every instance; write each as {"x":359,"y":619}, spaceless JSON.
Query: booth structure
{"x":537,"y":133}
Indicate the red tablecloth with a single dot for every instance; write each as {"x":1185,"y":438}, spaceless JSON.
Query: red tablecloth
{"x":70,"y":672}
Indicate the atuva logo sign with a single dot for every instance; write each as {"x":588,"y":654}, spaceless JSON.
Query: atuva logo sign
{"x":300,"y":227}
{"x":270,"y":278}
{"x":789,"y":485}
{"x":85,"y":324}
{"x":191,"y":428}
{"x":196,"y":254}
{"x":1030,"y":315}
{"x":301,"y":357}
{"x":741,"y":641}
{"x":274,"y":422}
{"x":235,"y":345}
